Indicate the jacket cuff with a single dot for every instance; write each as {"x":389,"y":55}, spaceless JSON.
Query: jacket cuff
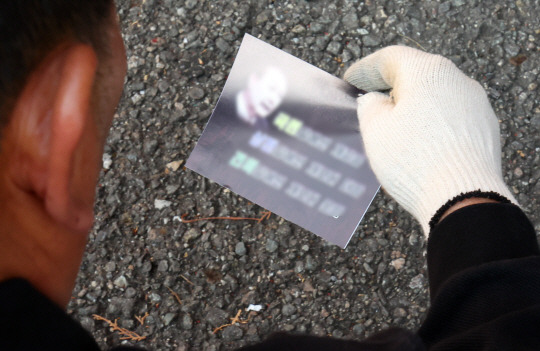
{"x":478,"y":234}
{"x":463,"y":196}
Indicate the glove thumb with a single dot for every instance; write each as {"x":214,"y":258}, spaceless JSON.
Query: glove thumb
{"x":373,"y":106}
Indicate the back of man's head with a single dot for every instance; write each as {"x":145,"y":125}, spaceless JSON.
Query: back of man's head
{"x":62,"y":69}
{"x":29,"y":29}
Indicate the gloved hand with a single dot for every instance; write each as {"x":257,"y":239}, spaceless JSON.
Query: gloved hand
{"x":434,"y":137}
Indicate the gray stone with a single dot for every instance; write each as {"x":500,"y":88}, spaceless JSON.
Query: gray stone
{"x":298,"y":29}
{"x":288,"y":310}
{"x":240,"y":249}
{"x":380,"y":14}
{"x":346,"y":56}
{"x":146,"y":267}
{"x":321,"y":43}
{"x":334,"y":47}
{"x":88,"y":323}
{"x":121,"y":282}
{"x":350,"y":20}
{"x":232,"y":333}
{"x":371,"y":40}
{"x":196,"y":93}
{"x":355,"y":50}
{"x":216,"y":317}
{"x":511,"y":48}
{"x":190,"y":4}
{"x":271,"y":245}
{"x":163,"y":266}
{"x":191,"y":234}
{"x":155,"y":297}
{"x":186,"y":322}
{"x":311,"y":263}
{"x":458,"y":3}
{"x":110,"y":266}
{"x":262,"y":18}
{"x":168,"y":318}
{"x":163,"y":86}
{"x":316,"y":27}
{"x":222,"y":45}
{"x":299,"y":267}
{"x":150,"y":146}
{"x":445,"y":7}
{"x":130,"y":292}
{"x":368,"y":268}
{"x":417,"y":282}
{"x":358,"y":330}
{"x":399,"y":313}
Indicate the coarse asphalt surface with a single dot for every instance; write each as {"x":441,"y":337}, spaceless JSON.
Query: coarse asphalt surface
{"x":179,"y":55}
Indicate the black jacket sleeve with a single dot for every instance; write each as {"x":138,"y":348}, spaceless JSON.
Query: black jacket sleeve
{"x":484,"y":273}
{"x":30,"y":321}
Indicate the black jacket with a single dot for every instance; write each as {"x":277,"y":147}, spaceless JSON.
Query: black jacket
{"x":484,"y":273}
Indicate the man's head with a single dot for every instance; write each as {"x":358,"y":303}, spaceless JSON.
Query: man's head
{"x":62,"y":67}
{"x":267,"y":91}
{"x":31,"y":29}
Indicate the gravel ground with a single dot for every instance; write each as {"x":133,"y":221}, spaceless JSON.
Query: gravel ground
{"x":179,"y":55}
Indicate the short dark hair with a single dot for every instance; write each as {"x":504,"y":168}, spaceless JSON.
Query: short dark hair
{"x":30,"y":29}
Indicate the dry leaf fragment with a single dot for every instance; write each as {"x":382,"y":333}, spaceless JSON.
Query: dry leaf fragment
{"x":518,"y":60}
{"x":174,"y":165}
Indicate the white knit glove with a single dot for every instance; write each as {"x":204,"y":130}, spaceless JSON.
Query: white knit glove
{"x":436,"y":135}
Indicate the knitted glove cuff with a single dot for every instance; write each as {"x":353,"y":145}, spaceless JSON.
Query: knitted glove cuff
{"x":492,"y":195}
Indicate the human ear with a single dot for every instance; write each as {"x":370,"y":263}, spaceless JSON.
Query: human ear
{"x":51,"y":118}
{"x":71,"y":116}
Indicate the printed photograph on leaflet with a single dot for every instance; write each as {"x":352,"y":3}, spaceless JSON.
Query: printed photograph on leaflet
{"x":284,"y":135}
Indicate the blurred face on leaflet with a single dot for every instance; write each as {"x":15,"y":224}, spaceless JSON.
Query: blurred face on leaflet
{"x":262,"y":96}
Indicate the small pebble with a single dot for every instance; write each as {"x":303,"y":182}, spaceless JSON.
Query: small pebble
{"x":288,"y":310}
{"x":417,"y":282}
{"x":167,"y":319}
{"x":196,"y":93}
{"x":398,"y":263}
{"x":240,"y":249}
{"x":232,"y":333}
{"x":271,"y":245}
{"x":121,"y":282}
{"x":186,"y":322}
{"x":161,"y":204}
{"x":191,"y":234}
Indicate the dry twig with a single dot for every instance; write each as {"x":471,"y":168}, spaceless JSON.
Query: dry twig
{"x":141,"y":319}
{"x":411,"y":39}
{"x":175,"y":295}
{"x":234,"y":320}
{"x":186,"y":279}
{"x":265,"y":215}
{"x":126,"y":334}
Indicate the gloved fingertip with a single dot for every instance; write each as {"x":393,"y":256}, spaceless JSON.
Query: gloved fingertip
{"x":351,"y":75}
